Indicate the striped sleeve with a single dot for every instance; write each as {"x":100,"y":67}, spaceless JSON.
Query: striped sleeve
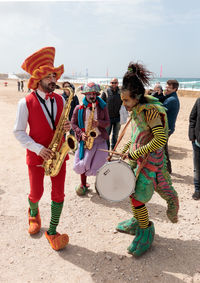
{"x":126,"y":147}
{"x":151,"y":114}
{"x":158,"y":141}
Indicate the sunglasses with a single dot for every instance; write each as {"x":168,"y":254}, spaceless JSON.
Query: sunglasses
{"x":114,"y":83}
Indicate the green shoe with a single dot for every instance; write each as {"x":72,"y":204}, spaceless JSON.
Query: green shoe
{"x":128,"y":226}
{"x":81,"y":190}
{"x":172,"y":210}
{"x":143,"y":240}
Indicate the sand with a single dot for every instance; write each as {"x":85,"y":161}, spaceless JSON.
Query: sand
{"x":96,"y":252}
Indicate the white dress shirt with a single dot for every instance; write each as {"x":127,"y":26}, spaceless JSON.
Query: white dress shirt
{"x":21,"y":122}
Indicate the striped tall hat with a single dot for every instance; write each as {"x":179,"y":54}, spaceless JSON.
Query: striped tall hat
{"x":40,"y":64}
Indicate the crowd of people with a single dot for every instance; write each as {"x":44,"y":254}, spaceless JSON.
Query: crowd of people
{"x":95,"y":123}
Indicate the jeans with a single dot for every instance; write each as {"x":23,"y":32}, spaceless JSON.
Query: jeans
{"x":196,"y":162}
{"x":115,"y":127}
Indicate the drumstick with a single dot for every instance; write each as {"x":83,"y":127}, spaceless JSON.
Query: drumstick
{"x":120,"y":137}
{"x":141,"y":164}
{"x":111,"y":151}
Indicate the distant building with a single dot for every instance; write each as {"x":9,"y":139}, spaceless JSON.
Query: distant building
{"x":3,"y":76}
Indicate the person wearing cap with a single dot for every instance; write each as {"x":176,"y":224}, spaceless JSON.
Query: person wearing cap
{"x":41,"y":110}
{"x":74,"y":102}
{"x":88,"y":161}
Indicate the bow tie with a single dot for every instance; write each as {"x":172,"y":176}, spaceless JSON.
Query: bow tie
{"x":49,"y":95}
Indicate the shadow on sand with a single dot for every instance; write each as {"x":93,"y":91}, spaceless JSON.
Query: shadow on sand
{"x":165,"y":259}
{"x":178,"y":153}
{"x":156,"y":211}
{"x":178,"y":178}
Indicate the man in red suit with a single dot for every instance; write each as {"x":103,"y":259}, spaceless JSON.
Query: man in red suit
{"x":41,"y":109}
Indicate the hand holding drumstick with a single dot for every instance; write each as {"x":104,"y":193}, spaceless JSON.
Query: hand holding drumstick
{"x":122,"y":155}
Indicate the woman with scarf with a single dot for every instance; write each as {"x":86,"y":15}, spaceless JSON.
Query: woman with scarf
{"x":88,"y":161}
{"x":145,"y":153}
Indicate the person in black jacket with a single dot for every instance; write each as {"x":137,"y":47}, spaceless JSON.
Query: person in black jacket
{"x":74,"y":102}
{"x":158,"y":92}
{"x":113,"y":99}
{"x":194,"y":136}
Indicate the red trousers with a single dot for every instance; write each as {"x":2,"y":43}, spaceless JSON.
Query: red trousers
{"x":36,"y":179}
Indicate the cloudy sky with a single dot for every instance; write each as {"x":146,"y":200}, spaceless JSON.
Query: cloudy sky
{"x":101,"y":35}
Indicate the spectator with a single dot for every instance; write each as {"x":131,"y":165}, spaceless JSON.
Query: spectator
{"x":18,"y":85}
{"x":172,"y":105}
{"x":74,"y":102}
{"x":22,"y":86}
{"x":158,"y":92}
{"x":194,"y":136}
{"x":113,"y":100}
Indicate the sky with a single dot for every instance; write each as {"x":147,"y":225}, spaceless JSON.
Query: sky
{"x":102,"y":37}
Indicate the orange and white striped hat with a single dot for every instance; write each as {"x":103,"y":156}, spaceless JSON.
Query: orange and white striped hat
{"x":40,"y":64}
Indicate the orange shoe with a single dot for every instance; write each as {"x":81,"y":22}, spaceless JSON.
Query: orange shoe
{"x":34,"y":223}
{"x":57,"y":241}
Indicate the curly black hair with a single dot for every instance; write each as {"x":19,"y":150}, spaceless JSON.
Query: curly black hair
{"x":134,"y":80}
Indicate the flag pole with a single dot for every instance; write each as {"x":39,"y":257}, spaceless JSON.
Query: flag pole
{"x":161,"y":71}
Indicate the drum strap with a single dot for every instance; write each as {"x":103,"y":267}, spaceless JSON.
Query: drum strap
{"x":141,"y":165}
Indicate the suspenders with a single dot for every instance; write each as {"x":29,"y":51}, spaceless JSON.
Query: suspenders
{"x":51,"y":115}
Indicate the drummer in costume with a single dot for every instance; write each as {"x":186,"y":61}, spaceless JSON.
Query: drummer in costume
{"x":91,"y":116}
{"x":41,"y":109}
{"x":145,"y":150}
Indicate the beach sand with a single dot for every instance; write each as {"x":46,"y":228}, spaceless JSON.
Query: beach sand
{"x":96,"y":252}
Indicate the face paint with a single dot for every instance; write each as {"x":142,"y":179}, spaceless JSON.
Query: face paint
{"x":128,"y":101}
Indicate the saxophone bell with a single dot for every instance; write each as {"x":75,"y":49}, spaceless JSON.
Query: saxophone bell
{"x":72,"y":142}
{"x":92,"y":134}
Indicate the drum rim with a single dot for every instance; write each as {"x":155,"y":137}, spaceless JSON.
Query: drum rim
{"x":114,"y":161}
{"x":109,"y":162}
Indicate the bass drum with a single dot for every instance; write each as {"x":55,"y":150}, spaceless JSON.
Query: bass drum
{"x":115,"y":181}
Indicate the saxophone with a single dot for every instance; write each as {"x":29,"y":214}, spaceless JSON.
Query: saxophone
{"x":53,"y":165}
{"x":90,"y":132}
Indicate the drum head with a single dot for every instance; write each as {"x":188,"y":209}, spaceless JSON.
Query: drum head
{"x":115,"y":181}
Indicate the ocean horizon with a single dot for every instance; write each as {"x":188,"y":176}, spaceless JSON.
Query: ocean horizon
{"x":184,"y":83}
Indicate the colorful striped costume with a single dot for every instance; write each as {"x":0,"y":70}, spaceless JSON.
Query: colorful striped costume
{"x":149,"y":134}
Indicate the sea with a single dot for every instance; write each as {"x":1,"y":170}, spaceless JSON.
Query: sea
{"x":184,"y":83}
